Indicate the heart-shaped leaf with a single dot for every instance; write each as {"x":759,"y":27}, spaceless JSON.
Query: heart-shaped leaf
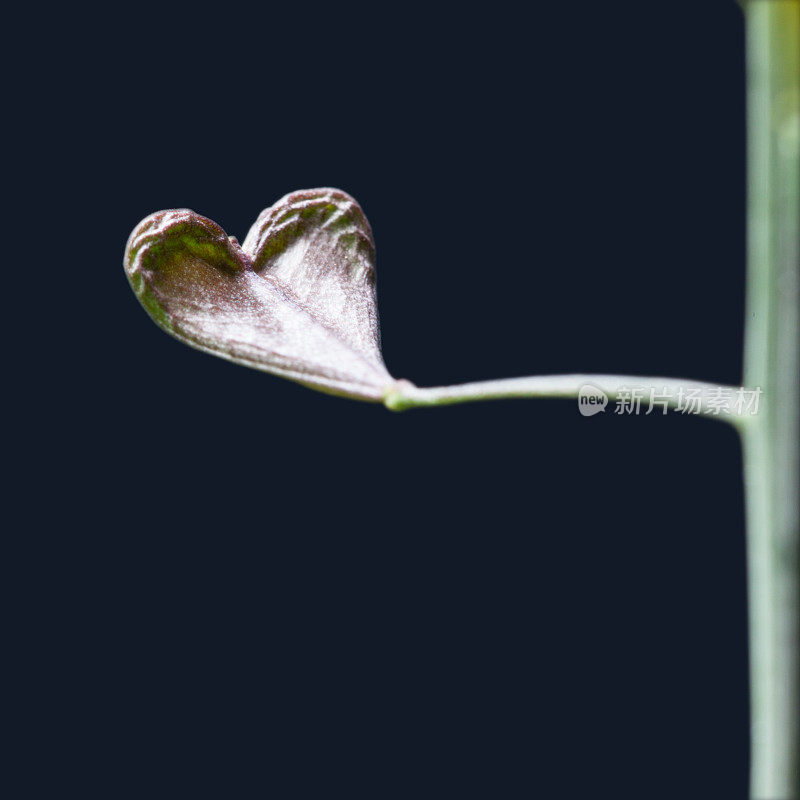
{"x":297,"y":299}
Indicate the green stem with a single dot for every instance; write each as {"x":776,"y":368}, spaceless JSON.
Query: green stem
{"x":691,"y":397}
{"x":772,"y":364}
{"x":770,"y":443}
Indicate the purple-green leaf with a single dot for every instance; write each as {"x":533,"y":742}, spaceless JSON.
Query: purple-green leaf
{"x":296,"y":299}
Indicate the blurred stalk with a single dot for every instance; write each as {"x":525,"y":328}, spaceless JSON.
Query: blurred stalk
{"x":772,"y":362}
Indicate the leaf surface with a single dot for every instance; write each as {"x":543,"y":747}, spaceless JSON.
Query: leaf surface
{"x":297,"y":299}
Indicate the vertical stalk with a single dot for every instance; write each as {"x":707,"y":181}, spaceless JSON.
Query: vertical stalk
{"x":770,"y":440}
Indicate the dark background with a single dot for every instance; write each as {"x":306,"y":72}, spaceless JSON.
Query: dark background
{"x":263,"y":591}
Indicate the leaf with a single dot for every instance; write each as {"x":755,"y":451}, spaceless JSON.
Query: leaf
{"x":297,"y":299}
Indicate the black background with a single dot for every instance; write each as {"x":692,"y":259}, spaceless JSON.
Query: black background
{"x":264,"y":591}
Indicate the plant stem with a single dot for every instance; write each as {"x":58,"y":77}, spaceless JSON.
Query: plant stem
{"x":771,"y":364}
{"x":404,"y":395}
{"x":770,"y":443}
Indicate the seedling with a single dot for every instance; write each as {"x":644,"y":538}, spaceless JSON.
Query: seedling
{"x":297,"y":299}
